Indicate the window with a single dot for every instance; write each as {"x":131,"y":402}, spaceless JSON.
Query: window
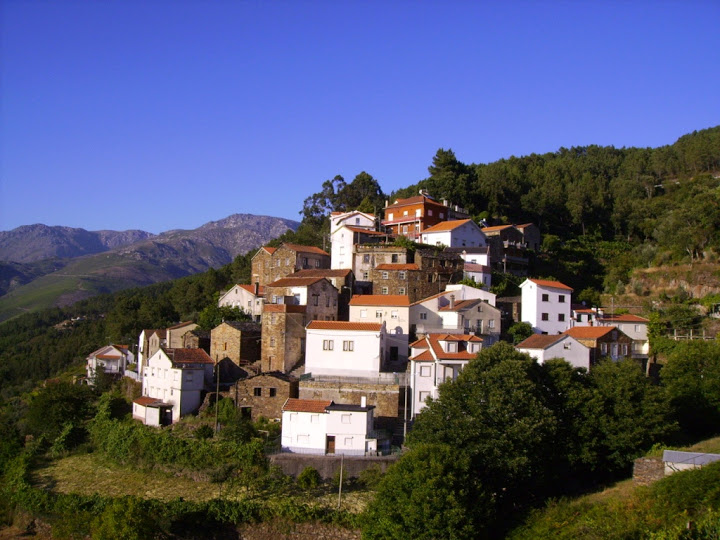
{"x":394,"y":257}
{"x":328,"y":344}
{"x":423,"y":396}
{"x":317,"y":263}
{"x":423,"y":316}
{"x":378,"y":314}
{"x":366,"y":258}
{"x":314,"y":418}
{"x":544,"y":317}
{"x":561,"y":298}
{"x":273,"y":392}
{"x":293,"y":417}
{"x":429,"y":212}
{"x":579,"y":317}
{"x":480,"y":309}
{"x":384,"y":290}
{"x":327,"y":301}
{"x":603,"y":348}
{"x":545,"y":297}
{"x":316,"y":299}
{"x":366,"y":276}
{"x":303,"y":439}
{"x":637,"y":327}
{"x":402,"y":275}
{"x":491,"y":323}
{"x":384,"y":275}
{"x":442,"y":215}
{"x":249,"y":303}
{"x":405,"y":212}
{"x":418,"y":212}
{"x":390,"y":216}
{"x":401,"y":290}
{"x":304,"y":261}
{"x":348,"y":441}
{"x":272,"y":341}
{"x":425,"y":371}
{"x":257,"y":391}
{"x":561,"y":317}
{"x":346,"y":418}
{"x":363,"y":313}
{"x":394,"y":314}
{"x":357,"y":221}
{"x":566,"y":345}
{"x":625,"y":349}
{"x":348,"y":346}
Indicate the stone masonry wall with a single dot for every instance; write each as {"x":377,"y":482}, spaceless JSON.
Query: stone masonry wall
{"x":648,"y":470}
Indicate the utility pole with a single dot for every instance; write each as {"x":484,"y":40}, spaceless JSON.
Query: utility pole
{"x":217,"y":393}
{"x":342,"y":458}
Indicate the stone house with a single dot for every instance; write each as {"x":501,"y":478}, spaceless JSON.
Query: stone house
{"x":633,"y":326}
{"x":271,"y":264}
{"x":347,"y":229}
{"x":240,"y":341}
{"x":316,"y":293}
{"x":508,"y":251}
{"x":264,"y":395}
{"x":531,"y":235}
{"x":603,"y":342}
{"x":342,"y":279}
{"x":283,"y":337}
{"x":197,"y":339}
{"x":175,"y":334}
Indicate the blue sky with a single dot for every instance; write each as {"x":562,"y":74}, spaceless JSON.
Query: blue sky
{"x":158,"y":115}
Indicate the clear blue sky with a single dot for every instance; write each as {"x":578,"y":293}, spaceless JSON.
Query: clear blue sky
{"x":167,"y":114}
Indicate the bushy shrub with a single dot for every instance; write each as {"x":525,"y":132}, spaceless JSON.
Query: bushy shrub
{"x":309,"y":478}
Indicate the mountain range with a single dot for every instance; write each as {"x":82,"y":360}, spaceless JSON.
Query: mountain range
{"x":43,"y":266}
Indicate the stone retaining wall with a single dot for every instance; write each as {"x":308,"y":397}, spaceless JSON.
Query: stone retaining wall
{"x":327,"y":466}
{"x":648,"y":470}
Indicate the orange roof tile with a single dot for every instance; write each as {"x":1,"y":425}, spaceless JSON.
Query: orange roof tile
{"x":290,"y":281}
{"x":380,"y":300}
{"x":251,"y":289}
{"x":397,"y":266}
{"x":414,"y":200}
{"x":366,"y":231}
{"x":321,"y":272}
{"x":552,"y":284}
{"x":145,"y":401}
{"x":189,"y":356}
{"x":495,"y":228}
{"x":588,"y":332}
{"x":344,"y":325}
{"x":446,"y":226}
{"x":424,"y":356}
{"x":306,"y":249}
{"x":306,"y":405}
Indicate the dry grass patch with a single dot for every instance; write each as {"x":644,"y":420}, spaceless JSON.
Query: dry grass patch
{"x":88,"y":474}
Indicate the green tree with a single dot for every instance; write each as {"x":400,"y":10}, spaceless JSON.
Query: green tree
{"x":520,"y":331}
{"x":212,"y":315}
{"x":429,"y":493}
{"x":56,"y":405}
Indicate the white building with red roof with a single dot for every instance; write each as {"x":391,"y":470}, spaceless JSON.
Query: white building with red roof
{"x":393,"y":311}
{"x":112,"y":359}
{"x":345,"y":349}
{"x":633,"y":326}
{"x":543,"y":347}
{"x":436,"y":358}
{"x":311,"y":426}
{"x":585,"y":316}
{"x":456,"y":233}
{"x":248,"y":298}
{"x":175,"y":378}
{"x":347,"y":229}
{"x":546,"y":305}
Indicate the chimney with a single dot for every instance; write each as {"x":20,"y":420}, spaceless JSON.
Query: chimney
{"x":452,"y":301}
{"x":363,"y":401}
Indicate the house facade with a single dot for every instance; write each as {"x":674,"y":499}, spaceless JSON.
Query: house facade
{"x":240,"y":341}
{"x":316,"y":293}
{"x":264,"y":395}
{"x":394,"y":312}
{"x":283,"y":337}
{"x":508,"y":251}
{"x":436,"y":358}
{"x":324,"y":427}
{"x":342,"y":279}
{"x":409,"y":217}
{"x":271,"y":264}
{"x":112,"y":359}
{"x":546,"y":305}
{"x":345,"y":349}
{"x":174,"y":334}
{"x":368,"y":256}
{"x":457,"y":233}
{"x":249,"y":298}
{"x":633,"y":326}
{"x":543,"y":347}
{"x":176,"y":378}
{"x":603,"y":342}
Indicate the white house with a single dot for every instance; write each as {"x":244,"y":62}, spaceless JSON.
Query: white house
{"x":585,"y":316}
{"x":249,"y":298}
{"x":633,"y":326}
{"x":113,"y":359}
{"x":543,"y":347}
{"x":324,"y":427}
{"x":478,"y":273}
{"x":176,"y":378}
{"x":394,"y":312}
{"x":346,"y":230}
{"x":459,"y":309}
{"x":546,"y":305}
{"x":435,"y":359}
{"x":345,"y":349}
{"x":473,"y":255}
{"x":457,"y":233}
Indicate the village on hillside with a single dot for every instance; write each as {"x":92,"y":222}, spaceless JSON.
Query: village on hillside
{"x":344,"y":348}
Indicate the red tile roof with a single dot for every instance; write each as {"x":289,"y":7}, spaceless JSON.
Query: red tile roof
{"x":189,"y":356}
{"x":551,"y":284}
{"x":417,"y":199}
{"x":446,"y":226}
{"x":401,"y":300}
{"x":251,"y":289}
{"x":366,"y":231}
{"x":390,"y":266}
{"x":290,"y":281}
{"x":306,"y":249}
{"x":495,"y":228}
{"x":540,"y":341}
{"x":344,"y":325}
{"x":472,"y":267}
{"x":425,"y":356}
{"x":321,"y":272}
{"x":180,"y":325}
{"x":306,"y":405}
{"x":589,"y":332}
